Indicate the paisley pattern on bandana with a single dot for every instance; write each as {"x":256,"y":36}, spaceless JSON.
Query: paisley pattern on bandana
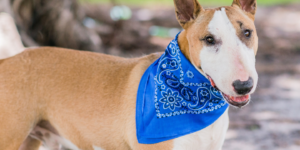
{"x":177,"y":92}
{"x":174,"y":99}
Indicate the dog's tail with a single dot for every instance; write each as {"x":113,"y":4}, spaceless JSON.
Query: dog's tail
{"x":10,"y":40}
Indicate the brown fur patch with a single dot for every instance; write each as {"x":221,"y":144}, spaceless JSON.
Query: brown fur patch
{"x":242,"y":22}
{"x":248,"y":6}
{"x":190,"y":39}
{"x":187,"y":11}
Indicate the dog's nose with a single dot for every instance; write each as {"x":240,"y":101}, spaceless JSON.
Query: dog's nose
{"x":243,"y":87}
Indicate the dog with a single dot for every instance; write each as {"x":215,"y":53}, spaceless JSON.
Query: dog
{"x":88,"y":100}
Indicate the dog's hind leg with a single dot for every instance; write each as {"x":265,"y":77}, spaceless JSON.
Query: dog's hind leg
{"x":18,"y":116}
{"x":14,"y":128}
{"x":13,"y":131}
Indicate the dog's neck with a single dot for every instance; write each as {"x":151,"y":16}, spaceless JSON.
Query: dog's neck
{"x":184,"y":47}
{"x":184,"y":44}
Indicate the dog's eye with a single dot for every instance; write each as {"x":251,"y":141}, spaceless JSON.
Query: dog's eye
{"x":247,"y":33}
{"x":210,"y":40}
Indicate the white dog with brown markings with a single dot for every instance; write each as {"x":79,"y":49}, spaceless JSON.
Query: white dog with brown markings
{"x":88,"y":100}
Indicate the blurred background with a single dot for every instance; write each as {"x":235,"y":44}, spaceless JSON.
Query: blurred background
{"x":132,"y":28}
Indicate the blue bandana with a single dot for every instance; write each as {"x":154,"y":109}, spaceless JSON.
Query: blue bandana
{"x":174,"y":99}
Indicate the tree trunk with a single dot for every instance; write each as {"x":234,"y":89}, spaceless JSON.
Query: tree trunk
{"x":52,"y":23}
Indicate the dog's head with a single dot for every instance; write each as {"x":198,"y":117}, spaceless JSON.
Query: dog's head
{"x":222,"y":43}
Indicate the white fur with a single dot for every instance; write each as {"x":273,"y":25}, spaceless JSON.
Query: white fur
{"x":10,"y":41}
{"x":210,"y":138}
{"x":233,"y":60}
{"x":97,"y":148}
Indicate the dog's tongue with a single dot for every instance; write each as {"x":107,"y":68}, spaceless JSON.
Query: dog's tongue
{"x":211,"y":82}
{"x":240,"y":99}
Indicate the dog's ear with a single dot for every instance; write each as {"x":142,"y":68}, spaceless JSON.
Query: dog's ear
{"x":186,"y":11}
{"x":248,"y":6}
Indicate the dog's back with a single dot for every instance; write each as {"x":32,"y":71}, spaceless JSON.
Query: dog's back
{"x":85,"y":87}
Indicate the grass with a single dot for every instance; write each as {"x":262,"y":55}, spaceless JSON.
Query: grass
{"x":203,"y":2}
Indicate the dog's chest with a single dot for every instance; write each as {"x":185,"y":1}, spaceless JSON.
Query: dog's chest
{"x":210,"y":138}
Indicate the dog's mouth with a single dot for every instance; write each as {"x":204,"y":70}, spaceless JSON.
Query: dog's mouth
{"x":238,"y":101}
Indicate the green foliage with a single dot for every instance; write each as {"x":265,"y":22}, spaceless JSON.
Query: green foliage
{"x":203,"y":2}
